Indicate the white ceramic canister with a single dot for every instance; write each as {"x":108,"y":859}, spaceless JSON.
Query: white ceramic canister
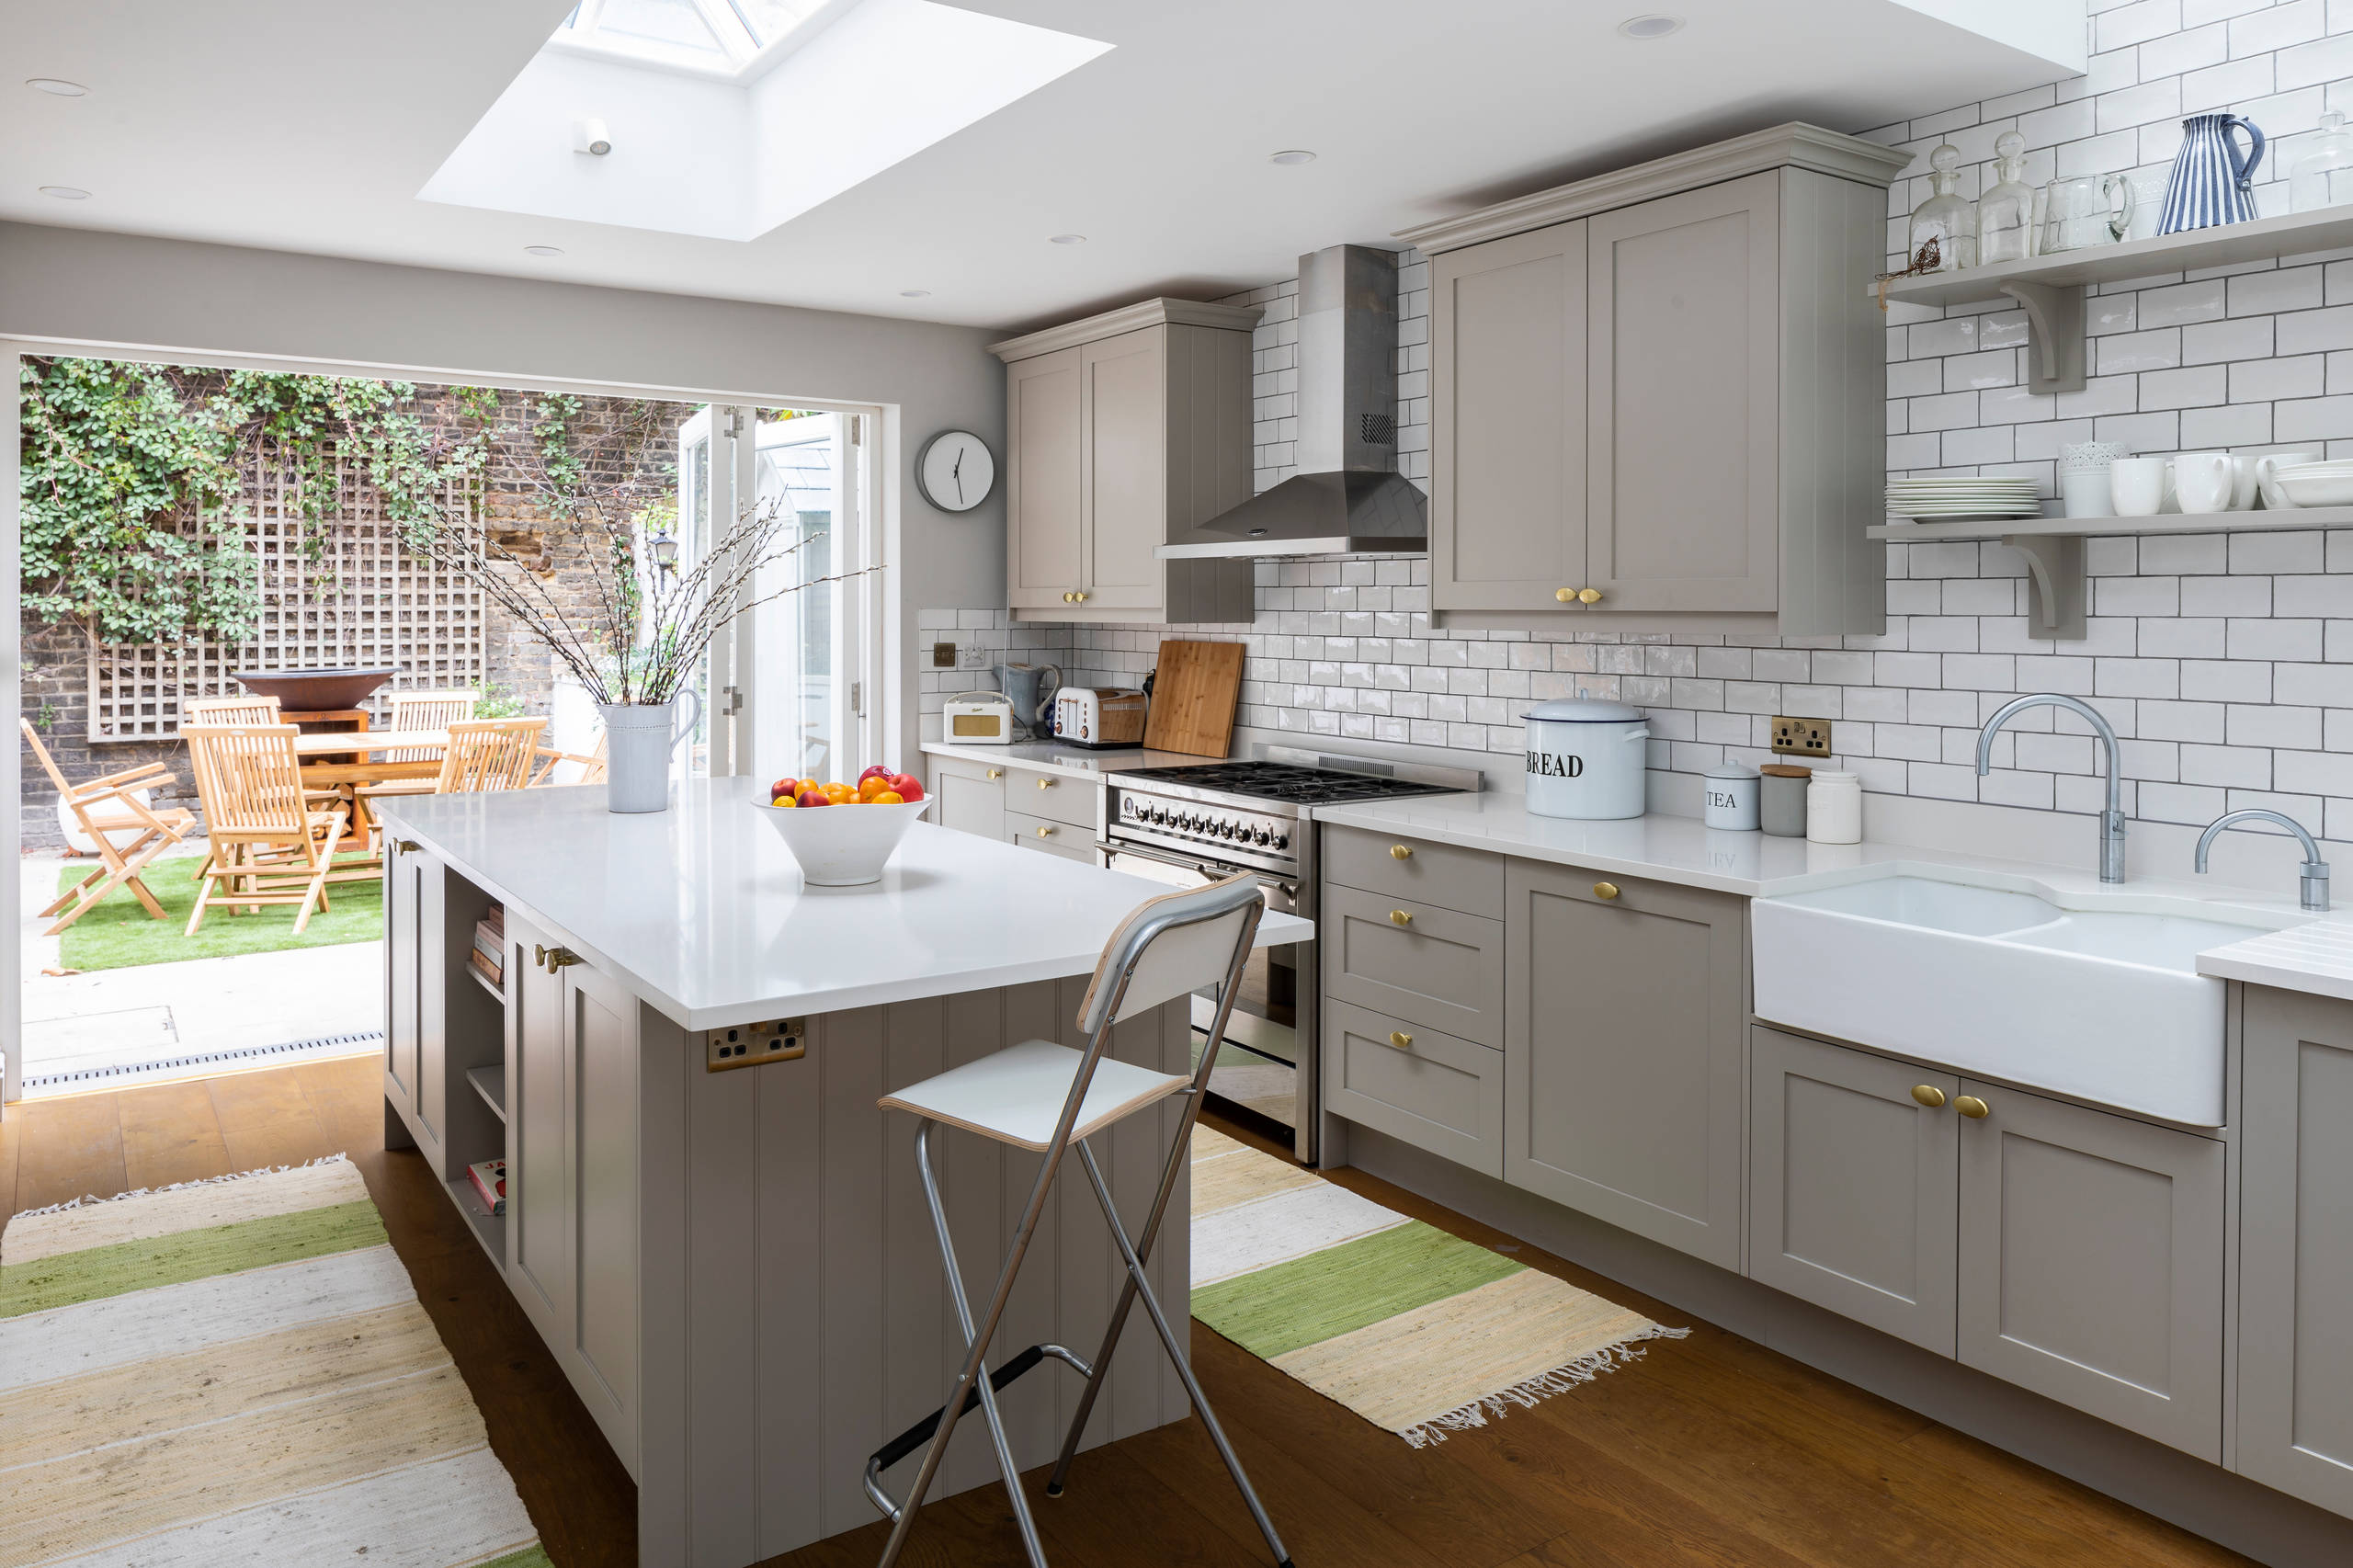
{"x":1728,"y":797}
{"x":1833,"y":808}
{"x":1586,"y":758}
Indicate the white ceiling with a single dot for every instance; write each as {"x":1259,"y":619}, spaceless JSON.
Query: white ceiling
{"x":296,"y":125}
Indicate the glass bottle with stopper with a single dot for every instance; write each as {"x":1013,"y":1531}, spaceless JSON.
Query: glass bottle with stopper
{"x":2322,"y":176}
{"x":1946,"y":220}
{"x":2006,"y":212}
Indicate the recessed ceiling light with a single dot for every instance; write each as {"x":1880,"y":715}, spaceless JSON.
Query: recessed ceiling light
{"x":1650,"y":27}
{"x":66,"y":192}
{"x":1070,"y":239}
{"x":1292,"y":156}
{"x":542,"y":250}
{"x":56,"y":87}
{"x":914,"y":293}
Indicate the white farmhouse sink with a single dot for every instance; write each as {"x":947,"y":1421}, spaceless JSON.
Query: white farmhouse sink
{"x":2101,"y":1002}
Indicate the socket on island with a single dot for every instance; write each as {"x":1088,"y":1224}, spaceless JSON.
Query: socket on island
{"x":1802,"y":737}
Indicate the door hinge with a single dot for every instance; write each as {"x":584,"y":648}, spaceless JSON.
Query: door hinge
{"x":732,"y":700}
{"x":735,"y":424}
{"x":858,"y":697}
{"x":857,"y":429}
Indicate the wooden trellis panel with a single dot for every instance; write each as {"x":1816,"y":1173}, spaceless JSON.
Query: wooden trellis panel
{"x":364,"y":602}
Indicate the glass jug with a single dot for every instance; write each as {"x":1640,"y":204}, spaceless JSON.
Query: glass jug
{"x":2083,"y":211}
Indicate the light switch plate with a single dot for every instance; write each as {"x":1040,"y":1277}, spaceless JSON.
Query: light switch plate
{"x":750,"y":1045}
{"x":943,"y":655}
{"x":1802,"y":737}
{"x":972,"y":656}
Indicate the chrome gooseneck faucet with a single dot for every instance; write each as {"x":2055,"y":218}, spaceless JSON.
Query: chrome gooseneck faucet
{"x":2111,"y":818}
{"x":2312,"y":886}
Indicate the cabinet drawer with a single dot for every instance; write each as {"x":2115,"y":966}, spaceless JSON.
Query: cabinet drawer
{"x":1431,"y":1089}
{"x":1435,"y":967}
{"x":1469,"y":880}
{"x":1056,"y":799}
{"x":1054,"y":837}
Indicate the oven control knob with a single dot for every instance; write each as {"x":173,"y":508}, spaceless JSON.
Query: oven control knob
{"x":1282,"y":841}
{"x":1263,"y":836}
{"x":1225,"y":830}
{"x":1159,"y":816}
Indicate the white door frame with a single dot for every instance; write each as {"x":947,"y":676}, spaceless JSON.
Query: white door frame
{"x":880,"y":645}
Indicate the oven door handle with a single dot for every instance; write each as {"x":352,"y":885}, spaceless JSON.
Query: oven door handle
{"x":1183,"y":862}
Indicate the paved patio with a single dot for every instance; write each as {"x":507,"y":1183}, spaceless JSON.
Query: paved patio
{"x":117,"y":1026}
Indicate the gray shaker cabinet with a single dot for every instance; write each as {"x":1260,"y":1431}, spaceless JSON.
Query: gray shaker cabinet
{"x":1624,"y":1012}
{"x":971,"y":796}
{"x":2091,"y":1262}
{"x":2295,"y":1349}
{"x":1852,"y":1191}
{"x":417,"y":1055}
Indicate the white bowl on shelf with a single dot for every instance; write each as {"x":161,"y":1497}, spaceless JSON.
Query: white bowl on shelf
{"x":2318,"y":484}
{"x":843,"y":847}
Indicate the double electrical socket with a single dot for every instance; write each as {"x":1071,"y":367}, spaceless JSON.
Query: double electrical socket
{"x":748,"y":1045}
{"x":1802,"y":737}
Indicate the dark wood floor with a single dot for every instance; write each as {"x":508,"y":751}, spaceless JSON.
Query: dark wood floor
{"x":1712,"y":1451}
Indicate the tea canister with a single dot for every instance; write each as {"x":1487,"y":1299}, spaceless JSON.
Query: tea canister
{"x":1586,"y":758}
{"x":1833,"y":808}
{"x":1781,"y":800}
{"x":1728,"y":798}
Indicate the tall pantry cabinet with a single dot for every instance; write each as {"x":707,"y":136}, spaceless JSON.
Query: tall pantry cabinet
{"x":1657,"y":396}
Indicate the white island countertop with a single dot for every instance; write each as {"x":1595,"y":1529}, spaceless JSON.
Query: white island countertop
{"x":703,"y":913}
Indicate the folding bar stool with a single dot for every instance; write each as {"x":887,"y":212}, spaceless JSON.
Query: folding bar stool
{"x":1050,"y":1098}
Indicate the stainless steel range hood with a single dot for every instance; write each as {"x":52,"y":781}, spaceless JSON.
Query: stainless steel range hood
{"x":1347,"y":495}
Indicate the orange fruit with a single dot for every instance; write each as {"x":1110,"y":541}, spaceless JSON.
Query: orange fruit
{"x":887,"y":798}
{"x":784,"y":801}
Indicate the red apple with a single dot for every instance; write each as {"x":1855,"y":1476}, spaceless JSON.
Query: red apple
{"x":877,"y":771}
{"x":910,"y":788}
{"x":787,"y":786}
{"x":814,"y":798}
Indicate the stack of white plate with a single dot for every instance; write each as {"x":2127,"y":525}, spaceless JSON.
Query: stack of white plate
{"x":2315,"y":484}
{"x":1961,"y":498}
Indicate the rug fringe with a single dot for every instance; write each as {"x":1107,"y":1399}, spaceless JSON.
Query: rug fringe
{"x":177,"y":1186}
{"x":1559,"y":1379}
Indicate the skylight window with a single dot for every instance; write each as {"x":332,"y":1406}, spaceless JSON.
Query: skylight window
{"x":731,"y":38}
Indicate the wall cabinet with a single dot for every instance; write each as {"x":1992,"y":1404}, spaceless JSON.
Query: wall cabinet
{"x":1625,"y":1004}
{"x":1660,"y":394}
{"x":572,"y":1236}
{"x":1124,"y":432}
{"x":2295,"y":1333}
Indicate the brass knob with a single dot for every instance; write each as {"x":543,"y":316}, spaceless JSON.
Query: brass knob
{"x":1972,"y":1107}
{"x":1045,"y":832}
{"x":539,"y":956}
{"x":1588,"y":596}
{"x":1046,"y":783}
{"x":1566,"y":596}
{"x":1400,"y":1038}
{"x":1399,"y":917}
{"x":1069,"y":598}
{"x":1400,"y":852}
{"x":1928,"y":1095}
{"x":1605,"y":890}
{"x":1078,"y":599}
{"x":407,"y":846}
{"x":997,"y":772}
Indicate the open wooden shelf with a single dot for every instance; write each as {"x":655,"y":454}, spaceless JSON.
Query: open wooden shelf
{"x":2119,"y":528}
{"x":489,"y":1083}
{"x":484,"y":981}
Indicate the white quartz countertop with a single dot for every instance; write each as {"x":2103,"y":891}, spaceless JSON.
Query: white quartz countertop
{"x":1067,"y":762}
{"x":702,"y":911}
{"x":2316,"y":955}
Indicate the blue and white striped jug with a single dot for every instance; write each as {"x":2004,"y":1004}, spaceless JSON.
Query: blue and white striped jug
{"x":2210,"y":183}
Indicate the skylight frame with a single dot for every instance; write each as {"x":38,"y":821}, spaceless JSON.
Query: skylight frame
{"x":746,"y":55}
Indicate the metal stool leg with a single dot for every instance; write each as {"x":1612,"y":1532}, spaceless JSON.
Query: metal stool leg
{"x":1141,"y":1289}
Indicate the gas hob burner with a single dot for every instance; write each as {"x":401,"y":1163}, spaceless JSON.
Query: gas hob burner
{"x":1281,"y":781}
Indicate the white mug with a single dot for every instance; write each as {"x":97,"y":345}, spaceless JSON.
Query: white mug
{"x":2267,"y":477}
{"x":2203,"y":480}
{"x":2088,"y":495}
{"x":2139,"y":486}
{"x":2243,"y":487}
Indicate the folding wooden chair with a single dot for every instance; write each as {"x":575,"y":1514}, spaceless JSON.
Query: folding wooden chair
{"x":266,"y":844}
{"x":110,"y":809}
{"x":426,"y":710}
{"x":210,"y":712}
{"x":1050,"y":1098}
{"x":591,"y":767}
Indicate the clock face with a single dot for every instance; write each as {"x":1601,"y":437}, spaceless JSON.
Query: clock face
{"x":955,"y":470}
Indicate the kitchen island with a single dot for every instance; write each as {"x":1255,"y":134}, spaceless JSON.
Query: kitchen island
{"x":734,"y":1268}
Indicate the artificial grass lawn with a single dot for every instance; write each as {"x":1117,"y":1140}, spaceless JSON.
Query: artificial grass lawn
{"x":118,"y":934}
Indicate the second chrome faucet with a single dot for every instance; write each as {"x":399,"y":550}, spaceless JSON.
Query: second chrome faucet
{"x":2111,"y":817}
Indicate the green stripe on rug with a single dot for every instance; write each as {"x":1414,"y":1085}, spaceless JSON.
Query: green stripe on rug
{"x":66,"y":1279}
{"x":531,"y":1556}
{"x":1304,"y":1300}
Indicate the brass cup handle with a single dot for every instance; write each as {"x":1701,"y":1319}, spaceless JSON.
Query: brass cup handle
{"x":1400,"y":852}
{"x":1606,"y":890}
{"x":997,"y":772}
{"x":1401,"y":1039}
{"x":1972,"y":1107}
{"x":1928,"y":1095}
{"x":1400,"y":917}
{"x":1045,"y":832}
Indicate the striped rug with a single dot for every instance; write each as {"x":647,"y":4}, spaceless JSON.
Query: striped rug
{"x":236,"y":1372}
{"x":1414,"y":1329}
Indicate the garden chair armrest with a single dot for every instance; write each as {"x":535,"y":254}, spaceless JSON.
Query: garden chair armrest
{"x":147,"y":777}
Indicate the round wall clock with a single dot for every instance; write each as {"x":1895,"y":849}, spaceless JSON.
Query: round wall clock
{"x":955,"y":471}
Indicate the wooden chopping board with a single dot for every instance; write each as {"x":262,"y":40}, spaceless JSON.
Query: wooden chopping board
{"x":1193,"y":697}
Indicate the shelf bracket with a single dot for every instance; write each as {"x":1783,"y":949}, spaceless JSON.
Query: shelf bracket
{"x":2054,"y":335}
{"x":2054,"y":576}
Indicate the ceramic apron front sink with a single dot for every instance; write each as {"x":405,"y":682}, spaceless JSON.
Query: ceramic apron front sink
{"x":2105,"y":1004}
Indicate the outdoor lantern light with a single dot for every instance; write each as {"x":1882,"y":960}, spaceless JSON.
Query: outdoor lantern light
{"x":665,"y":552}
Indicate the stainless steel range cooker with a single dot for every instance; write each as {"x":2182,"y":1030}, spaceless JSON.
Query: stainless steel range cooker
{"x":1198,"y":824}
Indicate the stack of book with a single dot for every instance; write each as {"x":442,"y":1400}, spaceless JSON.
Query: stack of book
{"x":489,"y":1179}
{"x":489,"y":956}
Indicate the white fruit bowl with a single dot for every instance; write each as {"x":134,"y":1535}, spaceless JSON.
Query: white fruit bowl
{"x":843,"y":847}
